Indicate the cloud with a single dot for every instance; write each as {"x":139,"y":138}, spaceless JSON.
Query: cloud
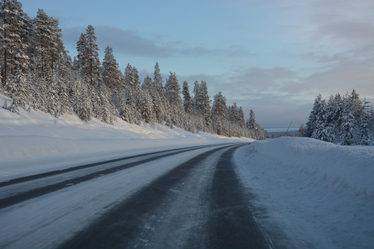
{"x":233,"y":50}
{"x":283,"y":93}
{"x":351,"y":32}
{"x":262,"y":79}
{"x":128,"y":42}
{"x":343,"y":76}
{"x":131,"y":43}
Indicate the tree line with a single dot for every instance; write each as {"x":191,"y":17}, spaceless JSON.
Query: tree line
{"x":344,"y":120}
{"x":38,"y":73}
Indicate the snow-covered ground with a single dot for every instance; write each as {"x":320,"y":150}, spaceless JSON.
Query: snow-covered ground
{"x":35,"y":142}
{"x":317,"y":194}
{"x":304,"y":192}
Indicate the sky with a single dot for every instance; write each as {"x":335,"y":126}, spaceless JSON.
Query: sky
{"x":272,"y":56}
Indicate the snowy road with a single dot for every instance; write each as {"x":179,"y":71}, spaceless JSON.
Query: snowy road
{"x":186,"y":198}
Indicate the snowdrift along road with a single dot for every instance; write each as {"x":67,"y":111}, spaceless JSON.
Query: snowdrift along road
{"x":311,"y":194}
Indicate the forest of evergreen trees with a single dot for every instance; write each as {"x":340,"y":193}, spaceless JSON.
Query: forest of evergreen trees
{"x":38,"y":73}
{"x":344,"y":120}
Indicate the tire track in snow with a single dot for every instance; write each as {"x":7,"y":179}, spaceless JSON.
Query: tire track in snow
{"x":231,"y":223}
{"x":39,"y":191}
{"x":152,"y":217}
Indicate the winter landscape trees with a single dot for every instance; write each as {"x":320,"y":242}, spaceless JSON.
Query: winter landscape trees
{"x":37,"y":73}
{"x":344,"y":120}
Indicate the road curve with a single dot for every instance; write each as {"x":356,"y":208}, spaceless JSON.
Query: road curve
{"x":199,"y":204}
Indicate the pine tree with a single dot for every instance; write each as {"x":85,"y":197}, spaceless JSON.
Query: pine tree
{"x":206,"y":105}
{"x":252,"y":125}
{"x":241,"y":117}
{"x":348,"y":122}
{"x":112,"y":76}
{"x":173,"y":88}
{"x":147,"y":108}
{"x":53,"y":97}
{"x":81,"y":47}
{"x":129,"y":77}
{"x":47,"y":48}
{"x":365,"y":136}
{"x":148,"y":85}
{"x":158,"y":83}
{"x":65,"y":106}
{"x":88,"y":56}
{"x":18,"y":89}
{"x":107,"y":111}
{"x":186,"y":97}
{"x":12,"y":46}
{"x":219,"y":113}
{"x":311,"y":124}
{"x":234,"y":114}
{"x":83,"y":105}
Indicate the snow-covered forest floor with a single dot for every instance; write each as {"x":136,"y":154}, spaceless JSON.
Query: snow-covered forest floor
{"x":311,"y":193}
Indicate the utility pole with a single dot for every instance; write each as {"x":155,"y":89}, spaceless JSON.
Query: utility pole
{"x":288,"y":128}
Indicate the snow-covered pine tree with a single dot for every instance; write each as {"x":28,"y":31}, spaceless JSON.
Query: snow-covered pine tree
{"x":206,"y":105}
{"x":147,"y":108}
{"x":356,"y":105}
{"x":241,"y":117}
{"x":12,"y":47}
{"x":46,"y":44}
{"x":234,"y":114}
{"x":348,"y":125}
{"x":158,"y":84}
{"x":112,"y":76}
{"x":83,"y":105}
{"x":88,"y":56}
{"x":199,"y":99}
{"x":219,"y":113}
{"x":17,"y":88}
{"x":81,"y":57}
{"x":107,"y":113}
{"x":173,"y":94}
{"x":65,"y":107}
{"x":186,"y":97}
{"x":162,"y":111}
{"x":196,"y":90}
{"x":129,"y":77}
{"x":252,"y":125}
{"x":148,"y":85}
{"x":123,"y":107}
{"x":53,"y":97}
{"x":311,"y":124}
{"x":133,"y":95}
{"x":365,"y":134}
{"x":322,"y":130}
{"x":173,"y":89}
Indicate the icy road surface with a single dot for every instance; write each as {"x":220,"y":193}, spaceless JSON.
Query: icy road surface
{"x":180,"y":198}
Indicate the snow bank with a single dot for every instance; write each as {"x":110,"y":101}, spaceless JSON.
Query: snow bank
{"x":350,"y":167}
{"x":35,"y":142}
{"x":309,"y":193}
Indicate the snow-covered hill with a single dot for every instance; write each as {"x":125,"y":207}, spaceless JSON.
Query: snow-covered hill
{"x":317,"y":194}
{"x":35,"y":142}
